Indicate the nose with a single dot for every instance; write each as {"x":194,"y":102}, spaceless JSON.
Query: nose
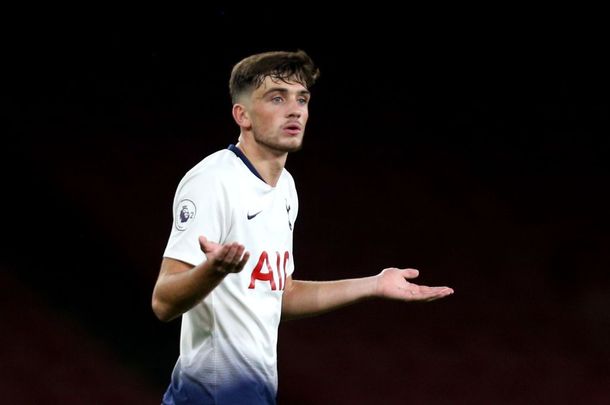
{"x":296,"y":109}
{"x":294,"y":113}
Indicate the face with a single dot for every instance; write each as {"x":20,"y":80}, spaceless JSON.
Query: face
{"x":278,"y":112}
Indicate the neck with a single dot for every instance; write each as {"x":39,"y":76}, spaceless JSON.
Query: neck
{"x":268,"y":163}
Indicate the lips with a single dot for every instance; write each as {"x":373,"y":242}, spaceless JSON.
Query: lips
{"x":293,"y":128}
{"x":293,"y":125}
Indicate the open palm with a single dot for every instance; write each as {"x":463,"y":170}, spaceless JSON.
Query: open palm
{"x":393,"y":283}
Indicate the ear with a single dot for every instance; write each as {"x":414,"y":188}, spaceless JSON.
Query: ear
{"x":241,"y":116}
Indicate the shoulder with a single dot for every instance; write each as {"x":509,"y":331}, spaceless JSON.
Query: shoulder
{"x":214,"y":169}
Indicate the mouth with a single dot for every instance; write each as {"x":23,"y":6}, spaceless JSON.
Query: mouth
{"x":293,"y":128}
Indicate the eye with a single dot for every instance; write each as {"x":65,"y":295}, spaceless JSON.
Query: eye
{"x":303,"y":100}
{"x":277,"y":100}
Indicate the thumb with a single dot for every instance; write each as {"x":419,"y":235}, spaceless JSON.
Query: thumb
{"x":410,"y":273}
{"x":204,"y":244}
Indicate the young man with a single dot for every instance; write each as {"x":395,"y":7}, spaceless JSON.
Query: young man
{"x":231,"y":299}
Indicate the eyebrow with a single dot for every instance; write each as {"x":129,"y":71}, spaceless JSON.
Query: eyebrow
{"x":284,"y":91}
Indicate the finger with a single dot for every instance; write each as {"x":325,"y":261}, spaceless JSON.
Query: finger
{"x":223,"y":259}
{"x":434,"y":293}
{"x":426,"y":289}
{"x":239,"y":253}
{"x":243,"y":262}
{"x":231,"y":254}
{"x":410,"y":273}
{"x":221,"y":254}
{"x":232,"y":260}
{"x":424,"y":292}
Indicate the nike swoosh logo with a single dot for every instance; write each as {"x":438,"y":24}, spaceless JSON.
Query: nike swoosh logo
{"x":253,"y":215}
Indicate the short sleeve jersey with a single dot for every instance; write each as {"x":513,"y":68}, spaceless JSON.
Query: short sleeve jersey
{"x":228,"y":341}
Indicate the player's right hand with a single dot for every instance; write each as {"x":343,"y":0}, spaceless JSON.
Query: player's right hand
{"x":225,"y":259}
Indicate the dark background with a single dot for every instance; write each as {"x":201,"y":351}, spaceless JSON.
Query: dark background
{"x":470,"y":144}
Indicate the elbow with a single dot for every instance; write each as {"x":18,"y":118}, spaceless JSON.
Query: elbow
{"x":162,"y":311}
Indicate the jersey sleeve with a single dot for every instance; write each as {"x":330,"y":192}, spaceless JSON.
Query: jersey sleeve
{"x":199,"y":209}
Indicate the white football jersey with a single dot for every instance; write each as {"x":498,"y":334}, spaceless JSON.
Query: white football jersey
{"x":228,"y":341}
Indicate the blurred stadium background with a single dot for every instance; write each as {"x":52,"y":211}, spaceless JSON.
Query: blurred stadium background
{"x":473,"y":150}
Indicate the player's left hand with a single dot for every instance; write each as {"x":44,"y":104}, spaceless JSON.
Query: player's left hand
{"x":392,"y":283}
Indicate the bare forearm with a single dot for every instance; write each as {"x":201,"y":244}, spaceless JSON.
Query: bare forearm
{"x":180,"y":286}
{"x":308,"y":298}
{"x":176,"y":293}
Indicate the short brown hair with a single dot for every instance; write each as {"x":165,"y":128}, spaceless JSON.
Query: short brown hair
{"x":250,"y":72}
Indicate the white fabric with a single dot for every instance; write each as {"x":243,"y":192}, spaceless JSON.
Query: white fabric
{"x":232,"y":333}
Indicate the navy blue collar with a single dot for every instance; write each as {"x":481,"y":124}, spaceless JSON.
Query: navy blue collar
{"x":244,"y":159}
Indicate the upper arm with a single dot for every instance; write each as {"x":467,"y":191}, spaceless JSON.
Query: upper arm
{"x":163,"y":285}
{"x":173,"y":266}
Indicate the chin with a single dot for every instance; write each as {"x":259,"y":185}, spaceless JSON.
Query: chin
{"x":283,"y":145}
{"x":295,"y":147}
{"x":292,"y":146}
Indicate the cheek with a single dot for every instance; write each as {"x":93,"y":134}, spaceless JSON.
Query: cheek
{"x":266,"y":116}
{"x":261,"y":119}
